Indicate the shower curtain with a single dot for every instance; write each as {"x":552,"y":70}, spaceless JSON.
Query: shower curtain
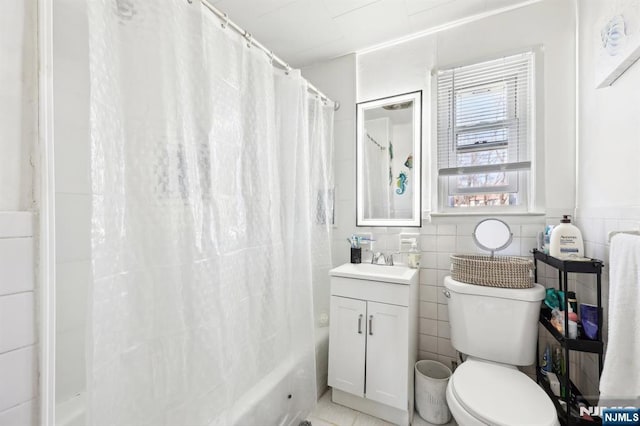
{"x":210,"y":175}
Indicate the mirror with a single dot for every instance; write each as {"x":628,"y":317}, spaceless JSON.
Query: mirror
{"x":388,"y":161}
{"x":492,"y":235}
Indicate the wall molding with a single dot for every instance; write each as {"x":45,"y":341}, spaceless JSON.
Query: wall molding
{"x":46,"y":234}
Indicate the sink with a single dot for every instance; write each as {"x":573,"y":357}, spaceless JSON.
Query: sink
{"x":397,"y":274}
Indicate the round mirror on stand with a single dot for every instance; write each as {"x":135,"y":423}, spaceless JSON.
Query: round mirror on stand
{"x":492,"y":235}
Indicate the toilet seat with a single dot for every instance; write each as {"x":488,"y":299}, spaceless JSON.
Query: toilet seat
{"x":500,"y":395}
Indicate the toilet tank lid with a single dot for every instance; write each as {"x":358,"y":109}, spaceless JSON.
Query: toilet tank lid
{"x":533,"y":294}
{"x":501,"y":396}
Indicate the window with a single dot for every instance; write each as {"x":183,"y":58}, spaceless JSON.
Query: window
{"x":484,"y":127}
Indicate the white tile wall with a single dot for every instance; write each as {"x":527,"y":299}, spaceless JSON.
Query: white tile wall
{"x":439,"y":239}
{"x":18,"y":350}
{"x":20,"y":415}
{"x":16,"y":321}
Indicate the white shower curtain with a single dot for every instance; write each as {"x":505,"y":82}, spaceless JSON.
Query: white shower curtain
{"x":205,"y":181}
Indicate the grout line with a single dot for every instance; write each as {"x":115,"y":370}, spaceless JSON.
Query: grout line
{"x":17,"y":292}
{"x":35,"y":343}
{"x":18,"y":405}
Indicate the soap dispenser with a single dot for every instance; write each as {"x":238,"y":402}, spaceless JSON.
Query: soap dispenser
{"x":566,"y":240}
{"x":414,"y":256}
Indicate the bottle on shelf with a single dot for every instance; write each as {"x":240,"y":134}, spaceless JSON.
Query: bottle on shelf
{"x":566,"y":240}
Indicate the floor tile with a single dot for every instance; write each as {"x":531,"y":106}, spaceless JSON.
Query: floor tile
{"x":329,"y":414}
{"x":367,"y":420}
{"x":336,"y":414}
{"x":318,"y":422}
{"x":419,"y":421}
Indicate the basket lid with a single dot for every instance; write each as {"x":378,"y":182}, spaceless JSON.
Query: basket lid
{"x":533,"y":294}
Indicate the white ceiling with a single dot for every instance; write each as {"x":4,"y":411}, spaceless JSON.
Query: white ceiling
{"x":303,"y":32}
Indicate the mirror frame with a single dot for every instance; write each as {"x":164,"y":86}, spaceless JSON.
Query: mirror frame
{"x":481,"y":245}
{"x":416,"y":180}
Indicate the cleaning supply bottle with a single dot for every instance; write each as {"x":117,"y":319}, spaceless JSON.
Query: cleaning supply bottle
{"x":413,"y":258}
{"x":546,"y":361}
{"x":573,"y":323}
{"x":566,"y":240}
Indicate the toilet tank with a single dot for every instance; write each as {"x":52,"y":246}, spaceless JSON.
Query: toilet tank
{"x":496,"y":324}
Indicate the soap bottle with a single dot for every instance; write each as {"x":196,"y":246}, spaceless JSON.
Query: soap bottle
{"x":566,"y":240}
{"x":414,"y":256}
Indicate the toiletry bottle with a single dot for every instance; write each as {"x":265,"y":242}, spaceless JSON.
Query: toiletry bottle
{"x":559,"y":366}
{"x":572,"y":301}
{"x":547,"y":238}
{"x":566,"y":240}
{"x":573,"y":323}
{"x":546,"y":361}
{"x":414,"y":256}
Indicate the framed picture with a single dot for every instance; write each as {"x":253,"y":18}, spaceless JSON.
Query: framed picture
{"x":617,"y":41}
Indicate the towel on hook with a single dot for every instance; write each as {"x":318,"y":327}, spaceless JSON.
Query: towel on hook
{"x":620,"y":380}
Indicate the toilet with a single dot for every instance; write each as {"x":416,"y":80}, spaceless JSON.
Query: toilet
{"x":497,"y":328}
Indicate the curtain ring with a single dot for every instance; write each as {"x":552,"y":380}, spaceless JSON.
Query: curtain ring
{"x":271,"y":57}
{"x":225,"y":22}
{"x":287,"y":69}
{"x":247,"y":35}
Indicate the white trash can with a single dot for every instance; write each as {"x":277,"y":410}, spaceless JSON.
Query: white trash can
{"x":432,"y":378}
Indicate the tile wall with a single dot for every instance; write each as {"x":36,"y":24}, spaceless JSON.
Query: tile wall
{"x":596,"y":224}
{"x":18,"y":341}
{"x":439,"y":239}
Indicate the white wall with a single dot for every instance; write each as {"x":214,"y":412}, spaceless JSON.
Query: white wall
{"x":404,"y":68}
{"x":18,"y":347}
{"x":18,"y":103}
{"x":18,"y":136}
{"x":609,"y":148}
{"x":72,"y":192}
{"x":551,"y":24}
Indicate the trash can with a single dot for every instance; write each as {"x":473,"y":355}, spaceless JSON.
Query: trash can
{"x":431,"y":382}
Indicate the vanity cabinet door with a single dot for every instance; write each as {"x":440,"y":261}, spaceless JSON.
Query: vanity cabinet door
{"x":387,"y":354}
{"x":347,"y":336}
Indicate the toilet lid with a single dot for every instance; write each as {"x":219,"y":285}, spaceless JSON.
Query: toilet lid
{"x":501,"y":396}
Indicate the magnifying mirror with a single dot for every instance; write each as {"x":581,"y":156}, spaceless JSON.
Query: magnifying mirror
{"x":492,"y":235}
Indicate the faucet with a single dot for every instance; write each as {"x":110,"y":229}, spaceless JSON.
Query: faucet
{"x":387,"y":260}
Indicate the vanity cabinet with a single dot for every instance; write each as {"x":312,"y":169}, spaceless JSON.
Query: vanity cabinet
{"x":373,"y":345}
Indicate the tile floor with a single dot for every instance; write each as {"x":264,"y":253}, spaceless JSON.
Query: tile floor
{"x":329,"y":414}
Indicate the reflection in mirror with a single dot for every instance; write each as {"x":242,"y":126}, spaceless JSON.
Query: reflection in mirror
{"x":388,"y":161}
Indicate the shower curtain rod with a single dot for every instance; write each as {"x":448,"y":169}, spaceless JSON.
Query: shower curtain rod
{"x":227,"y":22}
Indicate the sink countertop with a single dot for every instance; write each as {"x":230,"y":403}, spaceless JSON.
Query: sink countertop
{"x":397,"y":274}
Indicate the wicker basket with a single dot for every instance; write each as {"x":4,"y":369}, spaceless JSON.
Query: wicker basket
{"x":497,"y":271}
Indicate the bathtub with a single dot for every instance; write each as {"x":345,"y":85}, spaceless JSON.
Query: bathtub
{"x":72,"y":411}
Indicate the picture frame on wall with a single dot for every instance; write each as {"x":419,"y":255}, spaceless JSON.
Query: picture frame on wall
{"x":617,"y":41}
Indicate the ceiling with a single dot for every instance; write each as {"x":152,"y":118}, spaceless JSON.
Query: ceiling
{"x":303,"y":32}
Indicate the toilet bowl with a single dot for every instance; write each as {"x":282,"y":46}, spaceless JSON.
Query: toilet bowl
{"x":486,"y":393}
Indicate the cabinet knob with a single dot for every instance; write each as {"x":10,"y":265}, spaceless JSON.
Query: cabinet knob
{"x":446,"y":294}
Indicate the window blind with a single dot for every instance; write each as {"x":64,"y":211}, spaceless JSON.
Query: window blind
{"x":484,"y":115}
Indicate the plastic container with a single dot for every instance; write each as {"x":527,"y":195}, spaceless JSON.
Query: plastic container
{"x":414,"y":256}
{"x":432,"y":378}
{"x":566,"y":240}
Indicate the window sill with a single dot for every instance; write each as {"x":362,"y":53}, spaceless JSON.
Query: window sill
{"x":483,"y":213}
